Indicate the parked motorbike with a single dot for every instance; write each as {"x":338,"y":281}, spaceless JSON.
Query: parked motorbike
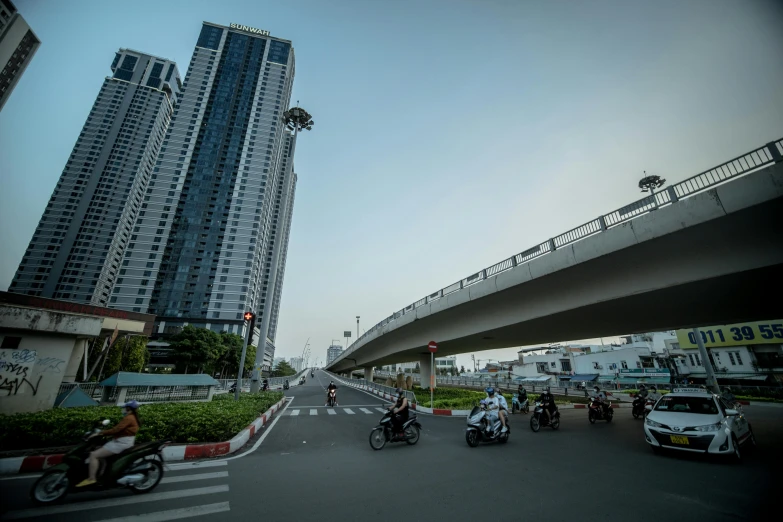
{"x":233,"y":388}
{"x":482,"y":428}
{"x":516,"y":406}
{"x":331,"y":398}
{"x":539,"y":418}
{"x":139,"y":468}
{"x":596,"y":412}
{"x":382,"y":433}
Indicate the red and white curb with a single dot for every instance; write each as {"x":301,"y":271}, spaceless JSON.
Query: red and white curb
{"x":12,"y":466}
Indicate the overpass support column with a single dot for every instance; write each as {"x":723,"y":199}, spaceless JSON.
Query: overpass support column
{"x":368,"y":373}
{"x":425,"y":371}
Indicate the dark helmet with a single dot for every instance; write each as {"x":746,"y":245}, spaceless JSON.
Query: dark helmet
{"x":546,"y":390}
{"x":596,"y":388}
{"x":490,"y":390}
{"x":642,"y":387}
{"x":400,"y":392}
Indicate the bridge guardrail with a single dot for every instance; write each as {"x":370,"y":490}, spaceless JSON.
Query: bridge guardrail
{"x":751,"y":161}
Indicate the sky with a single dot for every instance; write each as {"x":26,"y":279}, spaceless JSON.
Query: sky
{"x":449,"y":134}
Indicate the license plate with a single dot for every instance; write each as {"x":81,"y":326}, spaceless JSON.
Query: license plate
{"x":679,"y":439}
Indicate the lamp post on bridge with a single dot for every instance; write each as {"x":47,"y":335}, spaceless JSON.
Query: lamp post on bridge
{"x":649,"y":184}
{"x":295,"y":119}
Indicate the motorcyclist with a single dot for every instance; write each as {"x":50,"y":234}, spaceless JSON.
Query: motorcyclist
{"x":728,"y":396}
{"x":265,"y":385}
{"x":494,"y":405}
{"x":123,"y":437}
{"x":399,"y":411}
{"x":285,"y":383}
{"x":641,"y":396}
{"x":521,"y":395}
{"x":601,"y":399}
{"x":548,"y":402}
{"x":332,"y":386}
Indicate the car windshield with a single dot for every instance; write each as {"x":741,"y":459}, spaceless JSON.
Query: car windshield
{"x":686,"y":404}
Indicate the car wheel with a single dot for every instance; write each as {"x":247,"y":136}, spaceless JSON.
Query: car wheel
{"x":737,"y":455}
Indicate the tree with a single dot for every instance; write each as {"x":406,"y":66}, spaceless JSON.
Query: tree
{"x":128,"y":354}
{"x":196,"y":348}
{"x":283,"y":369}
{"x":416,"y":370}
{"x":228,"y":363}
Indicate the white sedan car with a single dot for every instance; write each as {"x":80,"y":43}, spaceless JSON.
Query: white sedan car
{"x":697,"y":421}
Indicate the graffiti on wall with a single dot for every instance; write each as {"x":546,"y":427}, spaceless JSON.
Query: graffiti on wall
{"x":16,"y":372}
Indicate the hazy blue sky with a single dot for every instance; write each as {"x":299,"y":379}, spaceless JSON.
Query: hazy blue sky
{"x":449,"y":134}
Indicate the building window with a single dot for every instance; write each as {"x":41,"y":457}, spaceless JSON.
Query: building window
{"x":690,"y":356}
{"x":731,"y":359}
{"x":624,"y":364}
{"x":739,"y":359}
{"x":565,"y":365}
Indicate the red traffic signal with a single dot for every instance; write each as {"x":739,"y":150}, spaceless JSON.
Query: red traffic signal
{"x":249,"y":316}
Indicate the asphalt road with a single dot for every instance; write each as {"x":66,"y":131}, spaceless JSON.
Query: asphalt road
{"x":317,"y":465}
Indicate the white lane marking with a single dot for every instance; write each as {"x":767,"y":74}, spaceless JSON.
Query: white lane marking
{"x":349,"y":411}
{"x":278,"y":415}
{"x":174,"y":514}
{"x":365,"y":410}
{"x":195,"y":465}
{"x":23,"y":476}
{"x":313,"y":412}
{"x":382,"y":410}
{"x":331,"y":411}
{"x":111,"y":502}
{"x":294,"y":413}
{"x":196,"y":476}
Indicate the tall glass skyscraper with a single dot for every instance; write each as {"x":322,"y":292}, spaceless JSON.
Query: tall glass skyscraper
{"x":76,"y":251}
{"x":18,"y":44}
{"x":221,"y":192}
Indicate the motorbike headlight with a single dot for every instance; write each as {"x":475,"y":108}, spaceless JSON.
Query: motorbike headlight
{"x":652,"y":423}
{"x":709,"y":427}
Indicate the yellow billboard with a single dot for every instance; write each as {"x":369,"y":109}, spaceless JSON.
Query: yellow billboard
{"x":739,"y":334}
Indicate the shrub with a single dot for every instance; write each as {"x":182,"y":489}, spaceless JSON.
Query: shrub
{"x":184,"y":422}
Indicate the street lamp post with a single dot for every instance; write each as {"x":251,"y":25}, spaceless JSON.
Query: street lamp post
{"x":357,"y":327}
{"x":295,"y":119}
{"x":650,"y":183}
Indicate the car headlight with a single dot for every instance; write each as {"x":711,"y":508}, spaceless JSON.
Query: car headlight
{"x":652,"y":423}
{"x":709,"y":427}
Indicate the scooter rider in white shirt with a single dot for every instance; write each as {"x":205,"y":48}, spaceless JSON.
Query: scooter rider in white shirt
{"x":495,"y":407}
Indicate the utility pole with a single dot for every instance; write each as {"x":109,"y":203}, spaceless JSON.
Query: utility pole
{"x":712,"y":382}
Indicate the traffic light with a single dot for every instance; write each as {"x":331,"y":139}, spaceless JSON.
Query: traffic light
{"x":251,"y":317}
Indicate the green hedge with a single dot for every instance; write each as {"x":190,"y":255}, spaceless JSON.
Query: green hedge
{"x":184,"y":422}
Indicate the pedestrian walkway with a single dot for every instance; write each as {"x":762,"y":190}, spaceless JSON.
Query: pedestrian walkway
{"x":369,"y":410}
{"x":186,"y":490}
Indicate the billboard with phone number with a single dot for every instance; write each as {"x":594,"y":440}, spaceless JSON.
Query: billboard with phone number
{"x":739,"y":334}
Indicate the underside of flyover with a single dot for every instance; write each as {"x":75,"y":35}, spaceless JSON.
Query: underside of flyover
{"x":726,"y":270}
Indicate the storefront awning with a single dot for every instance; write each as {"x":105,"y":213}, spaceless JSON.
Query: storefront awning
{"x":538,"y":378}
{"x":584,"y":377}
{"x":643,"y":380}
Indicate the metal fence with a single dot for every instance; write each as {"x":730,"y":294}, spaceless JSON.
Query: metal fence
{"x":754,"y":160}
{"x":391,"y":390}
{"x":91,"y":389}
{"x":165,"y":393}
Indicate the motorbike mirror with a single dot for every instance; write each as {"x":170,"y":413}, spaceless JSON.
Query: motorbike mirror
{"x":105,"y":422}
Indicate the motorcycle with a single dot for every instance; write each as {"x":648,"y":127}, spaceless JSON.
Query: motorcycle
{"x":233,"y":388}
{"x":481,"y":427}
{"x":285,"y":385}
{"x":139,"y":468}
{"x":264,"y":386}
{"x":539,"y":418}
{"x":382,"y":433}
{"x":596,"y":412}
{"x":516,"y":406}
{"x":642,"y":406}
{"x":331,"y":398}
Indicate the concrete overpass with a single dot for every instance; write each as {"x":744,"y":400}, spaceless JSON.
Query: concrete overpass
{"x":708,"y":250}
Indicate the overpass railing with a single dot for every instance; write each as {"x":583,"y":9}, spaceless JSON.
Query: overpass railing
{"x":379,"y":387}
{"x":754,"y":160}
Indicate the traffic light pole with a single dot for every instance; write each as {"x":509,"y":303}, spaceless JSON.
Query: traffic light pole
{"x":248,"y":333}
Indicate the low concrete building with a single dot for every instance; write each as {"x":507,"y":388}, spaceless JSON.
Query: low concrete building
{"x":43,"y":344}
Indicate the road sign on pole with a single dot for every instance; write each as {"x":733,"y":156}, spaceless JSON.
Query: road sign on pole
{"x":433,"y":346}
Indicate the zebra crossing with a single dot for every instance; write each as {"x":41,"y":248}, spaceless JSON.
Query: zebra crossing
{"x":205,"y":490}
{"x":334,"y":411}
